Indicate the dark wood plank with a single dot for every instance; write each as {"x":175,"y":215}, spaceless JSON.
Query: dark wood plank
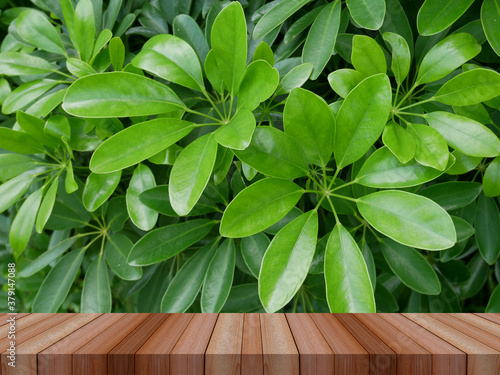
{"x":251,"y":351}
{"x":188,"y":355}
{"x":481,"y":359}
{"x":279,"y":351}
{"x":121,"y":358}
{"x":382,"y":358}
{"x":57,"y":358}
{"x":91,"y":358}
{"x":412,"y":358}
{"x":349,"y":356}
{"x":446,"y":359}
{"x":223,"y":355}
{"x":153,"y":357}
{"x":315,"y":355}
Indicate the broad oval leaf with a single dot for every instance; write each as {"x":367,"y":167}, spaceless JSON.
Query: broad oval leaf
{"x":12,"y":165}
{"x":490,"y":14}
{"x":409,"y":219}
{"x":253,"y":249}
{"x":98,"y":188}
{"x":20,"y":142}
{"x":257,"y":84}
{"x":487,"y":222}
{"x":34,"y":27}
{"x":401,"y":56}
{"x":96,"y":292}
{"x":342,"y":81}
{"x":19,"y":64}
{"x":348,"y":285}
{"x":117,"y":250}
{"x":453,"y":194}
{"x":437,"y":15}
{"x":431,"y":148}
{"x":259,"y":206}
{"x":361,"y":119}
{"x":85,"y":28}
{"x":367,"y":56}
{"x":186,"y":28}
{"x":399,"y":141}
{"x":12,"y":190}
{"x":491,"y":179}
{"x":368,"y":14}
{"x":119,"y":94}
{"x":294,"y":78}
{"x":142,"y":216}
{"x":287,"y":260}
{"x":276,"y":16}
{"x":264,"y":52}
{"x":237,"y":133}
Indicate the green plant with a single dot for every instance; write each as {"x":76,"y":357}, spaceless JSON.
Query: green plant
{"x":358,"y":176}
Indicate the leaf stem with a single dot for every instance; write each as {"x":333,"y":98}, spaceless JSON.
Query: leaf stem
{"x":417,"y":103}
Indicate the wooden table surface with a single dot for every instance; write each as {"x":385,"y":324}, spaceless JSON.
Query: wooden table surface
{"x":253,"y":344}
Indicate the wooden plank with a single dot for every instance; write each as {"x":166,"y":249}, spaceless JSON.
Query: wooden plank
{"x":349,"y":356}
{"x":121,"y":358}
{"x":251,"y":349}
{"x":4,"y":318}
{"x":479,"y":322}
{"x":26,"y":352}
{"x":92,"y":357}
{"x":446,"y":359}
{"x":495,"y":318}
{"x":23,"y":322}
{"x":481,"y":359}
{"x":57,"y":358}
{"x":279,"y":351}
{"x":315,"y":355}
{"x":223,"y":355}
{"x":382,"y":358}
{"x":411,"y":357}
{"x":188,"y":355}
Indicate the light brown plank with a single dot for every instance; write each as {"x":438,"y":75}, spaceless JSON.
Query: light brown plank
{"x":4,"y":318}
{"x":188,"y":355}
{"x":479,"y":322}
{"x":382,"y":358}
{"x":92,"y":357}
{"x":251,"y":351}
{"x":495,"y":318}
{"x":278,"y":347}
{"x":315,"y":355}
{"x":481,"y":359}
{"x":446,"y":359}
{"x":121,"y":358}
{"x":223,"y":355}
{"x":349,"y":356}
{"x":23,"y":322}
{"x":57,"y":358}
{"x":412,"y":358}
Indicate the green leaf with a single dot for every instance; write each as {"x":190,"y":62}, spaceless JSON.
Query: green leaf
{"x":96,"y":292}
{"x":494,"y":302}
{"x":34,"y":27}
{"x":19,"y":142}
{"x":22,"y":226}
{"x":98,"y":188}
{"x":294,"y":78}
{"x":320,"y":41}
{"x":490,"y":14}
{"x":172,"y":59}
{"x":229,"y":44}
{"x":367,"y":56}
{"x":237,"y":133}
{"x":12,"y":190}
{"x":46,"y":206}
{"x":258,"y":83}
{"x":12,"y":165}
{"x":142,"y":216}
{"x":165,"y":242}
{"x":259,"y":206}
{"x":399,"y":141}
{"x":253,"y":249}
{"x":276,"y":16}
{"x":264,"y":52}
{"x":116,"y":53}
{"x":342,"y":81}
{"x":368,"y":14}
{"x":103,"y":38}
{"x":468,"y":88}
{"x":119,"y":94}
{"x":117,"y":251}
{"x":452,"y":195}
{"x":137,"y":143}
{"x":491,"y":179}
{"x":19,"y":64}
{"x":396,"y":21}
{"x":463,"y":228}
{"x":401,"y":56}
{"x":186,"y":28}
{"x":57,"y":127}
{"x":446,"y":56}
{"x":465,"y":135}
{"x":308,"y":119}
{"x":287,"y":261}
{"x":219,"y":278}
{"x":191,"y":173}
{"x":84,"y":25}
{"x":437,"y":15}
{"x":274,"y":153}
{"x":57,"y":283}
{"x":410,"y":267}
{"x":213,"y":73}
{"x":187,"y":283}
{"x":487,"y":222}
{"x":70,"y":183}
{"x":409,"y":219}
{"x":348,"y":285}
{"x":361,"y":119}
{"x":79,"y":68}
{"x":431,"y":148}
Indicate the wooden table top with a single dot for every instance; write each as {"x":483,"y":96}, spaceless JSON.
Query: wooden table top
{"x":253,"y":344}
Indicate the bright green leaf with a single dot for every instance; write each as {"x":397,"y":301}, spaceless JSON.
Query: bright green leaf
{"x":399,"y":141}
{"x":142,"y":216}
{"x":491,"y":179}
{"x":98,"y":188}
{"x":401,"y":56}
{"x":437,"y":15}
{"x":258,"y":83}
{"x":46,"y":206}
{"x":96,"y":291}
{"x":276,"y":16}
{"x":490,"y":14}
{"x":431,"y":148}
{"x":367,"y":56}
{"x":368,"y":14}
{"x":342,"y":81}
{"x":237,"y":133}
{"x":34,"y":27}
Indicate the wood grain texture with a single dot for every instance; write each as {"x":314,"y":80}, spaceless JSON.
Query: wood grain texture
{"x":223,"y":355}
{"x":251,"y":349}
{"x":278,"y":346}
{"x":349,"y":356}
{"x":154,"y":355}
{"x":188,"y":355}
{"x":57,"y":358}
{"x":4,"y":318}
{"x":446,"y":359}
{"x":479,"y":322}
{"x":495,"y":318}
{"x":22,"y":322}
{"x":382,"y":358}
{"x":315,"y":355}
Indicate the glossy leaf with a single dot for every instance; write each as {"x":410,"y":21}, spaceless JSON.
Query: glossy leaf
{"x":12,"y":190}
{"x":253,"y":249}
{"x":431,"y":148}
{"x":46,"y":206}
{"x":69,"y":182}
{"x":491,"y":179}
{"x":186,"y":28}
{"x":18,"y":64}
{"x":368,"y":14}
{"x":487,"y":222}
{"x":237,"y":133}
{"x":494,"y":302}
{"x":490,"y":14}
{"x":294,"y":78}
{"x":96,"y":292}
{"x":276,"y":16}
{"x":401,"y":56}
{"x":342,"y":81}
{"x":19,"y":142}
{"x":142,"y":216}
{"x":452,"y":195}
{"x":116,"y":53}
{"x":12,"y":165}
{"x":436,"y":15}
{"x":399,"y":141}
{"x":117,"y":251}
{"x":257,"y":84}
{"x":98,"y":188}
{"x":367,"y":56}
{"x":264,"y":52}
{"x":34,"y":27}
{"x":84,"y":24}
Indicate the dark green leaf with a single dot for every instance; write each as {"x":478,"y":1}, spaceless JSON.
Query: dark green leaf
{"x":487,"y":222}
{"x":96,"y":292}
{"x":117,"y":250}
